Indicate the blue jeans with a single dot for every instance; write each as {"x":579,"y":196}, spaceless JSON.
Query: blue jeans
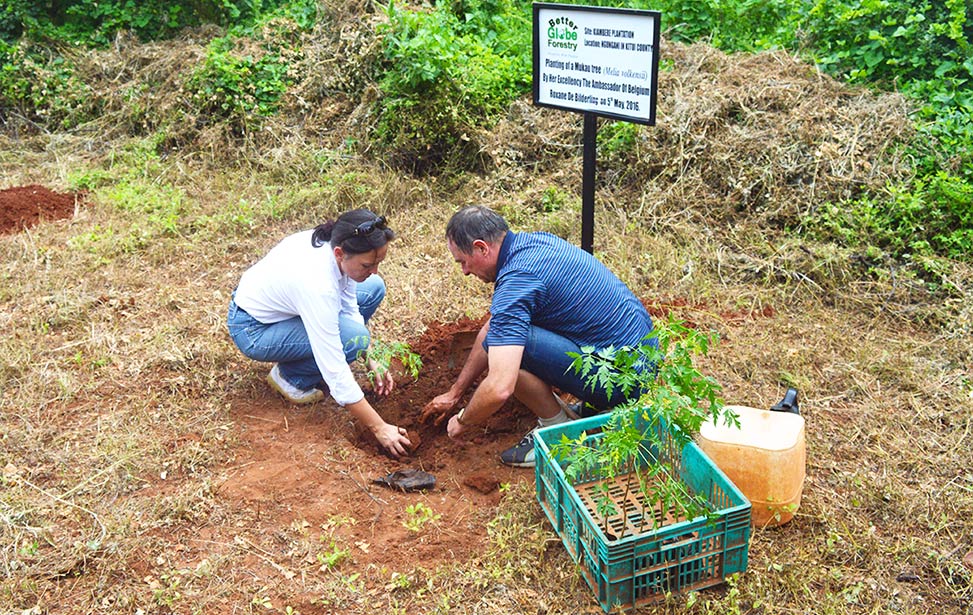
{"x":546,"y":356}
{"x":286,"y":343}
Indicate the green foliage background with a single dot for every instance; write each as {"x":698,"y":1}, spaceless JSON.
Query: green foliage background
{"x":447,"y":72}
{"x":95,"y":22}
{"x":451,"y":69}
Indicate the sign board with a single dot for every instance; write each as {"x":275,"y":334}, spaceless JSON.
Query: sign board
{"x":597,"y":60}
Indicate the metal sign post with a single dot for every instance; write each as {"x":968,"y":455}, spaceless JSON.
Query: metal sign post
{"x":600,"y":62}
{"x":590,"y":140}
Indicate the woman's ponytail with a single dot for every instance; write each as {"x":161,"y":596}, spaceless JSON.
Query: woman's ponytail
{"x":322,"y":234}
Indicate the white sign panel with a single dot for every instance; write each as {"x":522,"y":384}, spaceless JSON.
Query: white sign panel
{"x":595,"y":59}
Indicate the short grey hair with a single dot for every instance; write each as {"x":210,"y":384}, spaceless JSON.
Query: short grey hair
{"x":472,"y":223}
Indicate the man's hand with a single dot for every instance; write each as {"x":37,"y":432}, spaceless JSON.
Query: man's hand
{"x":439,"y":407}
{"x":454,"y":428}
{"x":393,"y":439}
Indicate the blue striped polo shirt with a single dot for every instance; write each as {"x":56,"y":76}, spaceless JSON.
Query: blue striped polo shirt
{"x":544,"y":281}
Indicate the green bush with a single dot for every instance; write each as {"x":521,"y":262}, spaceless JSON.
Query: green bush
{"x":96,"y":22}
{"x":238,"y":89}
{"x":732,"y":25}
{"x":444,"y":76}
{"x":945,"y":127}
{"x":39,"y":85}
{"x":242,"y":83}
{"x":891,"y":42}
{"x":932,"y":217}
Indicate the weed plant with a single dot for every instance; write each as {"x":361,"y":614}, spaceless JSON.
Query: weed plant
{"x":418,"y":516}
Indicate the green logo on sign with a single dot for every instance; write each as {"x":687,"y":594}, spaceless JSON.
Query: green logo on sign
{"x":562,"y":33}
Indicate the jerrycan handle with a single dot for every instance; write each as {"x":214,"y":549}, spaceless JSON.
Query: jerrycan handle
{"x":788,"y":404}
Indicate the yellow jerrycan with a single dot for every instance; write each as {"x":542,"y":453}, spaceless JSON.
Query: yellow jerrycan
{"x":765,"y":458}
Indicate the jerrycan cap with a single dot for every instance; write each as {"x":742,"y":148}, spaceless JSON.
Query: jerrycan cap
{"x":788,"y":403}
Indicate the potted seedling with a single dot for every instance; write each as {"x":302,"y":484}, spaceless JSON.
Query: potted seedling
{"x":637,"y":504}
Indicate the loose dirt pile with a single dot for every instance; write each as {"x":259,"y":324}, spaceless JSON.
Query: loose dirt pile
{"x":24,"y":206}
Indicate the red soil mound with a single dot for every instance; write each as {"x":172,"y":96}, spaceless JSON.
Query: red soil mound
{"x":24,"y":206}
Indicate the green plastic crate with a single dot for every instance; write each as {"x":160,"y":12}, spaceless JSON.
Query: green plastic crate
{"x":640,"y":567}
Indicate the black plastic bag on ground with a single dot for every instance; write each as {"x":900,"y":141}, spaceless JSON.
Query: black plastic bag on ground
{"x":408,"y":480}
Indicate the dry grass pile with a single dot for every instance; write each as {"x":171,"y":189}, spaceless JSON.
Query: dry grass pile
{"x":766,"y":138}
{"x":761,"y":138}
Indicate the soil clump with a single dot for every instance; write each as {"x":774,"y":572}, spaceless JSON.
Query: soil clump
{"x":24,"y":206}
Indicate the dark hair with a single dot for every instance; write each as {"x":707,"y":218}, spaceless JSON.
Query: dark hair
{"x":356,"y":232}
{"x":475,"y":222}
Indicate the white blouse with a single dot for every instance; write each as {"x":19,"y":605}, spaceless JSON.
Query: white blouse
{"x":297,"y":279}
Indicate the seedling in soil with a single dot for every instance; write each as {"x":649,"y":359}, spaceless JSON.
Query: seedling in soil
{"x":418,"y":516}
{"x":167,"y":595}
{"x":336,"y":521}
{"x":383,"y":354}
{"x":332,"y":558}
{"x":262,"y":599}
{"x":643,"y":439}
{"x":399,"y":581}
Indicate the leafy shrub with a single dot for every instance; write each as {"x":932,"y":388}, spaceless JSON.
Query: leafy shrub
{"x":96,"y":22}
{"x":238,"y":89}
{"x":933,"y":217}
{"x":891,"y":42}
{"x":945,"y":127}
{"x":40,"y":85}
{"x":11,"y":19}
{"x":732,"y":25}
{"x":242,"y":83}
{"x":442,"y":79}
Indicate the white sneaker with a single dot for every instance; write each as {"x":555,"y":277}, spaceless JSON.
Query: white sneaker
{"x":290,"y":392}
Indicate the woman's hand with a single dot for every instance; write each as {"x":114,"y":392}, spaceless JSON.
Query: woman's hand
{"x":393,"y":439}
{"x":382,"y":380}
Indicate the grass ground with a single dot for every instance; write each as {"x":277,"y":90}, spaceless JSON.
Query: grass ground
{"x":125,"y":408}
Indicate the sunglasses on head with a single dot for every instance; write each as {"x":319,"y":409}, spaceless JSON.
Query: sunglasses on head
{"x":367,"y":228}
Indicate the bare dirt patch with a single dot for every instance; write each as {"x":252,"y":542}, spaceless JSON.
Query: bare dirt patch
{"x":314,"y":467}
{"x":24,"y":206}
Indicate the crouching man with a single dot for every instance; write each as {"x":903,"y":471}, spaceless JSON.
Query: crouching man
{"x":549,"y":298}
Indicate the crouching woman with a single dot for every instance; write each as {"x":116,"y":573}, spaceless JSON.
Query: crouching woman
{"x":304,"y":307}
